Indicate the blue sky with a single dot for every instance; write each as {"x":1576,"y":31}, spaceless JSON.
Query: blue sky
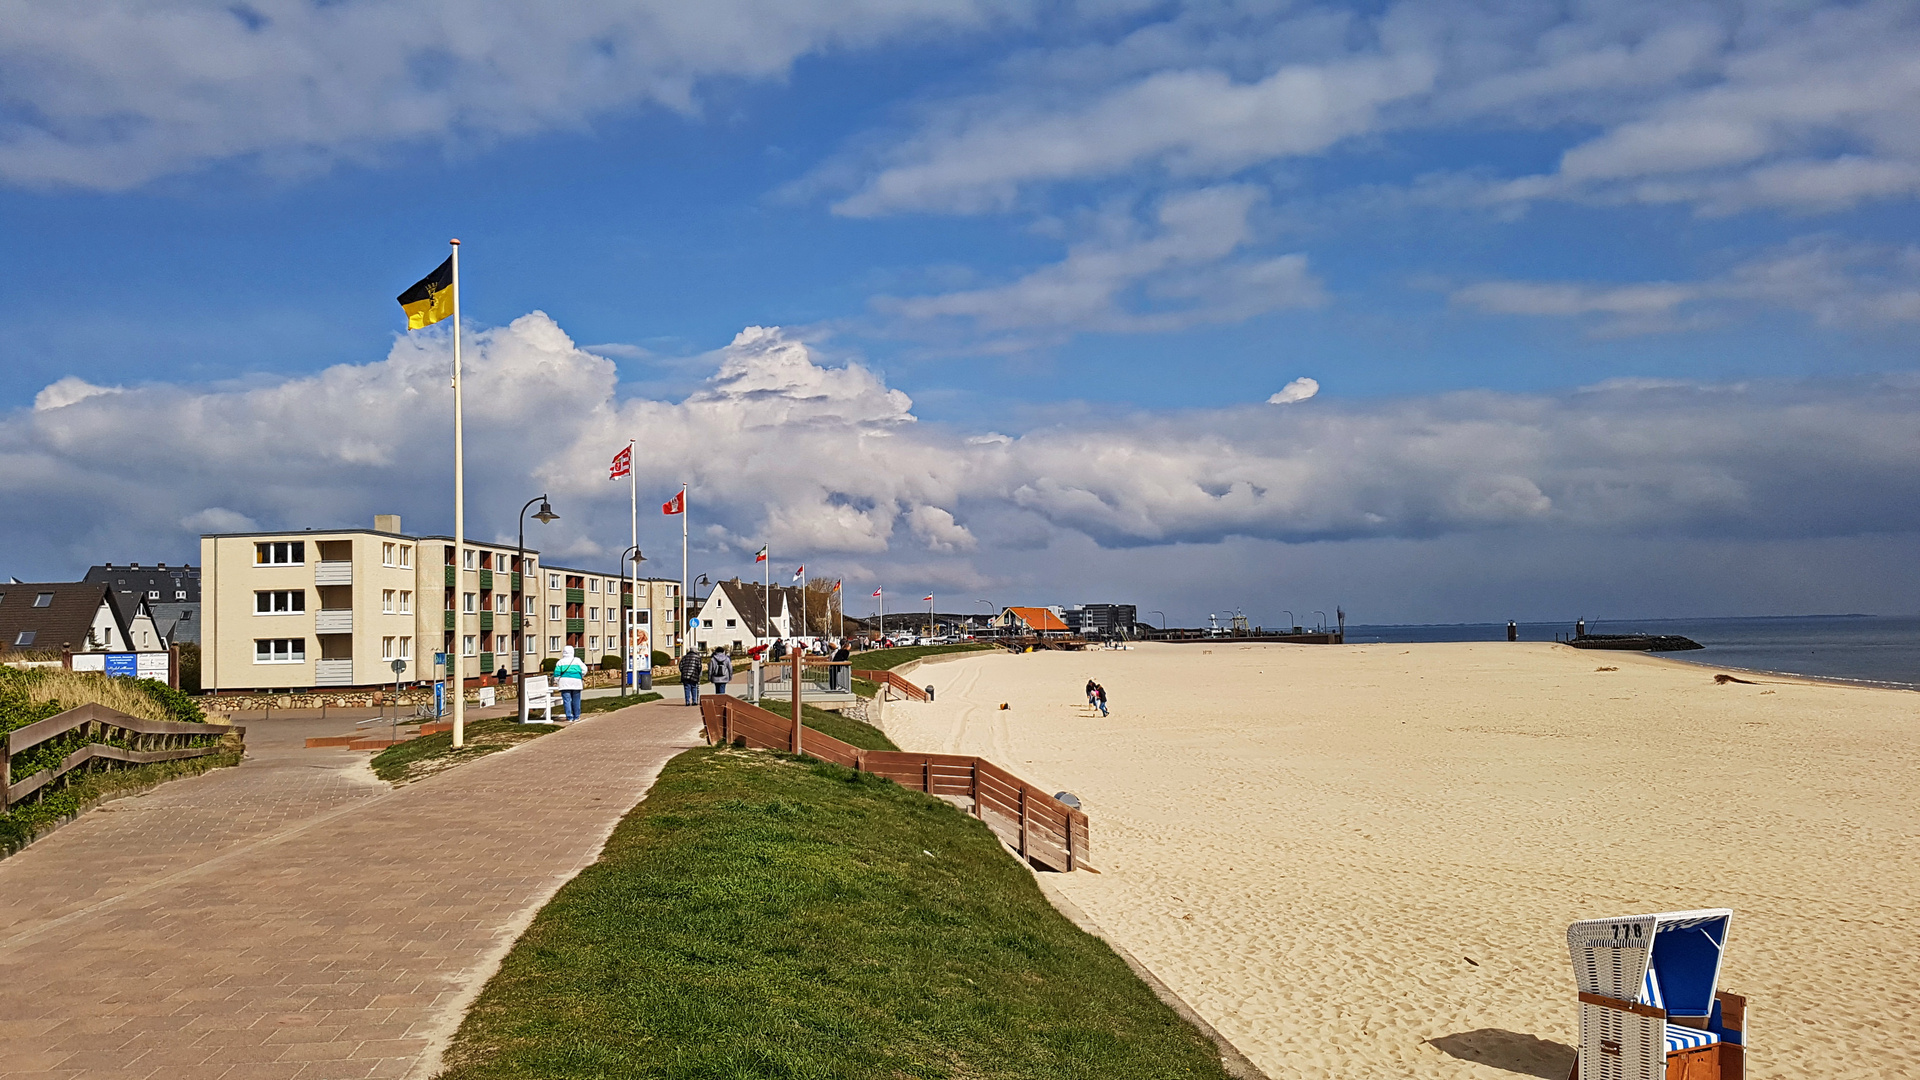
{"x":1123,"y":223}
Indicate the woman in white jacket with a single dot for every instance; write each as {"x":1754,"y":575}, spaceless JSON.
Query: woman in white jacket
{"x":570,"y":677}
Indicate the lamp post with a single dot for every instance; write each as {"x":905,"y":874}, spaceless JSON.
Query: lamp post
{"x":1290,"y":622}
{"x":632,"y":597}
{"x":991,"y":611}
{"x":545,"y":516}
{"x":1163,"y":620}
{"x":1323,"y":619}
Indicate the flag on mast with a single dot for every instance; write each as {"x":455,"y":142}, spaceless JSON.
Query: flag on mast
{"x":876,"y":592}
{"x":675,"y":505}
{"x":622,"y":464}
{"x":799,"y":573}
{"x":760,"y":556}
{"x":430,"y":299}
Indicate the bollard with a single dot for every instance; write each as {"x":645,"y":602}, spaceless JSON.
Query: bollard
{"x":1513,"y":630}
{"x":929,"y":693}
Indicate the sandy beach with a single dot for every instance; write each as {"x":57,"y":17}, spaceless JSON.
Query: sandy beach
{"x":1361,"y":861}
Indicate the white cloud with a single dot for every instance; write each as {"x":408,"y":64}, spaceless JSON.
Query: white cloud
{"x":1837,"y":283}
{"x":1186,"y":268}
{"x":112,"y":94}
{"x":69,"y":390}
{"x":827,"y":462}
{"x":1299,"y":389}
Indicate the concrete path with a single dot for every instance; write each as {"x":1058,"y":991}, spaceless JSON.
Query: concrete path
{"x":293,"y":917}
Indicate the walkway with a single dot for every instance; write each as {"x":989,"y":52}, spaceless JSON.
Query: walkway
{"x":293,"y":917}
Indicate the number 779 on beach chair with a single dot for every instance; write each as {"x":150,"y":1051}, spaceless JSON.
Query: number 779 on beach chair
{"x":1650,"y":1007}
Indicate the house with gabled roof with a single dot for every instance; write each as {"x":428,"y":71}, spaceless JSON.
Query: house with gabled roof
{"x":1037,"y":621}
{"x":74,"y":616}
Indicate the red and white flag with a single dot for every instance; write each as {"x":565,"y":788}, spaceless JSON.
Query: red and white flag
{"x":622,"y":463}
{"x":799,"y":573}
{"x":928,"y":599}
{"x":877,"y":592}
{"x":760,"y":556}
{"x":675,"y":505}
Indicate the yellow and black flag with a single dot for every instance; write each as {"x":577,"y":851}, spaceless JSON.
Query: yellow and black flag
{"x":431,"y":298}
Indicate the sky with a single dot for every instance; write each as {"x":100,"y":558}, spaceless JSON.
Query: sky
{"x":1431,"y":312}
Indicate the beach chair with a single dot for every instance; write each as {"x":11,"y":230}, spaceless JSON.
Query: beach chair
{"x":1650,"y":1006}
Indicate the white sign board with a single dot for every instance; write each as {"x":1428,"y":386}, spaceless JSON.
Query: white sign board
{"x":486,"y":696}
{"x":146,"y":665}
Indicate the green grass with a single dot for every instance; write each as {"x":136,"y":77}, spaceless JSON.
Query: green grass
{"x":429,"y":754}
{"x":608,"y":704}
{"x":888,"y":659}
{"x":761,"y":916}
{"x":827,"y":722}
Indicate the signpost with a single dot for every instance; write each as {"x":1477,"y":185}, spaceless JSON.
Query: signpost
{"x":439,"y":684}
{"x":398,"y":667}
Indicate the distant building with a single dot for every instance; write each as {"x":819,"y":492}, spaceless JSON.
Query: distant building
{"x":581,"y":611}
{"x":735,"y":616}
{"x":55,"y":617}
{"x":1107,"y":620}
{"x":1032,"y":620}
{"x":171,"y":592}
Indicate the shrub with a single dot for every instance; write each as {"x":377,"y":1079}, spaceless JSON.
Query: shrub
{"x":611,"y":662}
{"x":190,"y":666}
{"x":661,"y":659}
{"x":547,"y":665}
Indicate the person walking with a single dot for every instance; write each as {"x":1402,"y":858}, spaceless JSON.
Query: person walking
{"x":1100,"y":698}
{"x":1091,"y":686}
{"x":690,"y":676}
{"x":720,"y":669}
{"x":569,"y":677}
{"x":842,"y":671}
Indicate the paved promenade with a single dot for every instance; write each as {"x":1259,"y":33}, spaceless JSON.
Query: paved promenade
{"x":293,"y":917}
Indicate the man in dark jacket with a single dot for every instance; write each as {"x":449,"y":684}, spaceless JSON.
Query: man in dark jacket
{"x":690,"y":676}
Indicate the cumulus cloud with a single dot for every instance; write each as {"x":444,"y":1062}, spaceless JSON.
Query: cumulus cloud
{"x":826,"y":461}
{"x":1837,"y":283}
{"x":68,"y":390}
{"x":110,"y":95}
{"x":1299,"y":389}
{"x":1187,"y":267}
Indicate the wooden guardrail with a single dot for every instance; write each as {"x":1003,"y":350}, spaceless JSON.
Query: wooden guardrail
{"x":896,"y":681}
{"x":140,"y":742}
{"x":1038,"y":826}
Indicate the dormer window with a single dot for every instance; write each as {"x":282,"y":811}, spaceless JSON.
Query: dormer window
{"x":45,"y":599}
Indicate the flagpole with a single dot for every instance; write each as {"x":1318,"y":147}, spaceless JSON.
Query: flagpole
{"x":803,"y":602}
{"x":457,"y":655}
{"x":626,"y":628}
{"x":766,"y":585}
{"x":686,"y":637}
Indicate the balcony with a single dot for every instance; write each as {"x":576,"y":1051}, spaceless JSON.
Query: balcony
{"x":333,"y":673}
{"x":452,"y":620}
{"x":486,"y":619}
{"x":576,"y":626}
{"x":486,"y":659}
{"x":515,"y":587}
{"x":333,"y":621}
{"x":452,"y":577}
{"x":333,"y":572}
{"x":519,"y":623}
{"x":576,"y":596}
{"x":486,"y":581}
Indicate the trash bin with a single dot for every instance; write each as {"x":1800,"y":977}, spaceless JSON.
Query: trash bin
{"x":646,"y":679}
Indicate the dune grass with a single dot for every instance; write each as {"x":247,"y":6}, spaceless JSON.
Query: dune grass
{"x":827,"y":722}
{"x":765,"y":916}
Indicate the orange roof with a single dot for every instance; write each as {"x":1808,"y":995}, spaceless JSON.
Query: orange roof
{"x":1038,"y":618}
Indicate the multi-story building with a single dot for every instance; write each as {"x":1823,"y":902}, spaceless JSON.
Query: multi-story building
{"x":172,"y":593}
{"x":336,"y":608}
{"x":582,"y":608}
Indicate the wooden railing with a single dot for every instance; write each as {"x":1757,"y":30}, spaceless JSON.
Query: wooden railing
{"x":1038,"y":826}
{"x":889,"y":678}
{"x":146,"y":742}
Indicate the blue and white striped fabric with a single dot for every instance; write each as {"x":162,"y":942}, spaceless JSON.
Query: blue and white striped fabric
{"x":1685,"y":1038}
{"x":1650,"y":990}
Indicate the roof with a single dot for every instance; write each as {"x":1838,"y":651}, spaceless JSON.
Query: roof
{"x":133,"y":580}
{"x":1038,"y":618}
{"x":749,"y":602}
{"x":65,"y":621}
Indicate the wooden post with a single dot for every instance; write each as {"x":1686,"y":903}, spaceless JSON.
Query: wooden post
{"x":797,"y":728}
{"x":926,"y":776}
{"x":173,"y":666}
{"x":6,"y":768}
{"x":1069,"y":840}
{"x":1023,"y":820}
{"x":973,"y":776}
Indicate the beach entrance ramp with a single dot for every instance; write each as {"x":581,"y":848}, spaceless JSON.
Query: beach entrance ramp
{"x":1650,"y":1007}
{"x":1040,"y":828}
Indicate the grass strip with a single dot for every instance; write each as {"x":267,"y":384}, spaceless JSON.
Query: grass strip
{"x":765,"y":916}
{"x":429,"y":754}
{"x":609,"y":704}
{"x":827,"y":722}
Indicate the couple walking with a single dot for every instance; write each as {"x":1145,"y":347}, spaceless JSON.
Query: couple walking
{"x":1097,"y":696}
{"x":719,"y":669}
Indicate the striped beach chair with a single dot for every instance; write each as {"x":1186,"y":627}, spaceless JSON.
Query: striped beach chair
{"x":1650,"y":1003}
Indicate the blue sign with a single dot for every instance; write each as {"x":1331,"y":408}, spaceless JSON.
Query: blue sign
{"x":439,"y":697}
{"x":439,"y":659}
{"x":124,"y":664}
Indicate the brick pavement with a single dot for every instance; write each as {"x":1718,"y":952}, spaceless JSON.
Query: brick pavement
{"x":294,"y":918}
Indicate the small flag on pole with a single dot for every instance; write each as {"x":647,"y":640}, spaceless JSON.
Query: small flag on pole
{"x":836,"y":586}
{"x":675,"y":505}
{"x":877,"y":592}
{"x":622,"y":463}
{"x":799,"y":573}
{"x":928,"y":599}
{"x":430,"y":299}
{"x":760,"y":556}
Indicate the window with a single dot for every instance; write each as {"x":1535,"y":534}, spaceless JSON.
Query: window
{"x":406,"y":648}
{"x":467,"y":645}
{"x":44,"y":599}
{"x":553,"y":643}
{"x":532,"y":643}
{"x":472,"y":602}
{"x":386,"y":648}
{"x":25,"y":637}
{"x":470,"y":557}
{"x":387,"y":600}
{"x":594,"y":642}
{"x":406,"y":555}
{"x":389,"y":554}
{"x":553,"y":581}
{"x":406,"y":601}
{"x":280,"y":602}
{"x":533,"y":607}
{"x":593,"y":614}
{"x":500,"y":643}
{"x":280,"y":553}
{"x":179,"y":594}
{"x":731,"y":623}
{"x":280,"y":650}
{"x":153,"y":594}
{"x":593,"y":584}
{"x":553,"y":612}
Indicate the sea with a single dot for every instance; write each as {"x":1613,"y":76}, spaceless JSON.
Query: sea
{"x":1873,"y":649}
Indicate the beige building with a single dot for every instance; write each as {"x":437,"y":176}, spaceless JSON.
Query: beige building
{"x":336,"y":608}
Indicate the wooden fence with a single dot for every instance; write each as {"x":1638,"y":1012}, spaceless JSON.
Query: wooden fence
{"x":1041,"y":828}
{"x":144,"y":742}
{"x":891,"y":679}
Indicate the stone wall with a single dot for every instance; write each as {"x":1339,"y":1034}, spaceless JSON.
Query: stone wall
{"x":362,"y":697}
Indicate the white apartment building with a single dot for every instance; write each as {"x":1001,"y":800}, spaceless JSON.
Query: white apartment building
{"x":582,"y":608}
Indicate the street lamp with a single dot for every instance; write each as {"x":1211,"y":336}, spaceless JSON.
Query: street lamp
{"x":1323,"y":619}
{"x":545,"y":516}
{"x":992,"y":610}
{"x":1290,"y":623}
{"x":632,"y":598}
